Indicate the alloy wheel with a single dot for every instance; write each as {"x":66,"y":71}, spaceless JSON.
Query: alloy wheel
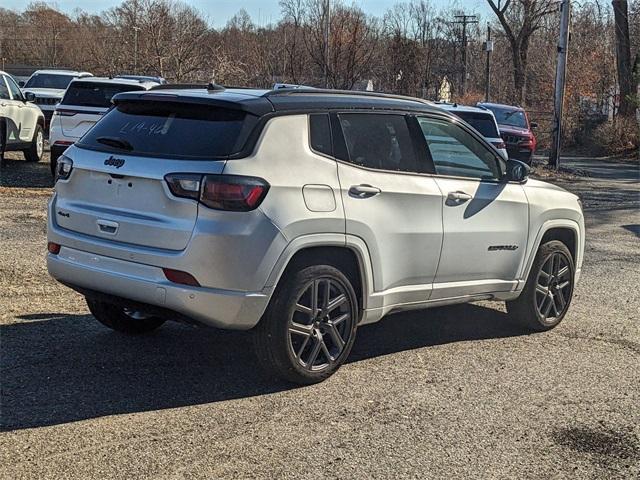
{"x":40,"y":144}
{"x":553,"y":287}
{"x":321,"y":324}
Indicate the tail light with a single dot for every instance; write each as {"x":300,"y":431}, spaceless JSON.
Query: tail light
{"x":221,"y":192}
{"x":499,"y":145}
{"x":64,"y":165}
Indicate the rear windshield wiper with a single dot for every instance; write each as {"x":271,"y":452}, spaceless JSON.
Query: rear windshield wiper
{"x":115,"y":142}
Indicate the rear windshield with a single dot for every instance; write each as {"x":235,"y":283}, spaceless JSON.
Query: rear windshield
{"x":49,"y":80}
{"x":175,"y":130}
{"x":94,"y":94}
{"x":482,"y":122}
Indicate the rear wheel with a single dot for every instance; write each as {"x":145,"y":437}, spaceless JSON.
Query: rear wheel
{"x":547,"y":294}
{"x":121,"y":319}
{"x":310,"y":325}
{"x":36,"y":149}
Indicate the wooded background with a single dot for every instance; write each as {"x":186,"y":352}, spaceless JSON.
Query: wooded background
{"x":409,"y":50}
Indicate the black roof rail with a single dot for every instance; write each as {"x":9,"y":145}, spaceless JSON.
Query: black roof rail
{"x":328,"y":91}
{"x":211,"y":87}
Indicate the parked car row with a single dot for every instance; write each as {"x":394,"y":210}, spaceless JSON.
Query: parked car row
{"x":506,"y":127}
{"x":64,"y":103}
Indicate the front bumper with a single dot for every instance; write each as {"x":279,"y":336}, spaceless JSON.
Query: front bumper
{"x":520,"y":153}
{"x":147,"y":284}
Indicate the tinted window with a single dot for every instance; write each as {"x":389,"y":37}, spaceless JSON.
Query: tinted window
{"x":45,"y":80}
{"x":94,"y":94}
{"x":457,"y":153}
{"x":482,"y":122}
{"x":379,"y":141}
{"x":15,"y":90}
{"x":167,"y":129}
{"x":320,"y":133}
{"x":508,"y":116}
{"x":4,"y":91}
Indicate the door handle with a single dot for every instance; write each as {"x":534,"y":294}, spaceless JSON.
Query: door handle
{"x":364,"y":191}
{"x":459,"y":197}
{"x":108,"y":227}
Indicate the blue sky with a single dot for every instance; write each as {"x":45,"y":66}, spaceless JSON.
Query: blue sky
{"x":262,"y":11}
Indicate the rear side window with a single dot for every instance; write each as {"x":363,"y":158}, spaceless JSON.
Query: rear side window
{"x":166,"y":129}
{"x":482,"y":122}
{"x":320,"y":133}
{"x":380,"y":141}
{"x":94,"y":94}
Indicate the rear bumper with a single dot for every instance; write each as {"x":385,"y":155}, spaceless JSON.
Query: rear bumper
{"x":146,"y":284}
{"x":57,"y":151}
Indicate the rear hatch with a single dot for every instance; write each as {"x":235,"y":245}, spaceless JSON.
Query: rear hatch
{"x":117,"y":189}
{"x":85,"y":102}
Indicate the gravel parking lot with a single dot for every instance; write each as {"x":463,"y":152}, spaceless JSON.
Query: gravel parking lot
{"x":458,"y":392}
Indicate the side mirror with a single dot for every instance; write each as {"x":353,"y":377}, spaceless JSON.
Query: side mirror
{"x":533,"y":125}
{"x":30,"y":97}
{"x":516,"y":171}
{"x":21,"y":83}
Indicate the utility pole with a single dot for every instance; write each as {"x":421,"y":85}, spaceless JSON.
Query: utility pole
{"x":561,"y":76}
{"x":465,"y":20}
{"x":327,"y":28}
{"x":488,"y":47}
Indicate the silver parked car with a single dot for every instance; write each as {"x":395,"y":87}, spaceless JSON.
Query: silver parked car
{"x":303,"y":215}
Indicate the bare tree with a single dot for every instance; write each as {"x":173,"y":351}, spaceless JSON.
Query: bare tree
{"x":520,"y":19}
{"x":628,"y":85}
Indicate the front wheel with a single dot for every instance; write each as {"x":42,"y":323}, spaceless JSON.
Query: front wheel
{"x":36,"y":149}
{"x":547,"y":294}
{"x":121,"y":319}
{"x":310,"y":325}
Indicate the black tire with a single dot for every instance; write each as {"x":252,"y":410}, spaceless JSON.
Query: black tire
{"x":116,"y":318}
{"x":35,"y":151}
{"x":278,"y":339}
{"x":3,"y":137}
{"x":536,"y":298}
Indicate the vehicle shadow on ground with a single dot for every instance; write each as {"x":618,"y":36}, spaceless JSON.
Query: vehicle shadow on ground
{"x":58,"y":368}
{"x":18,"y":173}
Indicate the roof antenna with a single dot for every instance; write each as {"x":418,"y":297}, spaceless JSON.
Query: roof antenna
{"x":212,"y":87}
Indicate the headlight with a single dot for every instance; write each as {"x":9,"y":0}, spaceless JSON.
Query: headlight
{"x":63,"y":167}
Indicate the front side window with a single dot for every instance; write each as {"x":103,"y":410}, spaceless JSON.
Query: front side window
{"x":455,"y":152}
{"x":4,"y":91}
{"x":14,"y":89}
{"x":380,"y":141}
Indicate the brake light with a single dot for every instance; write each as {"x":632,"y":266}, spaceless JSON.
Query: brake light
{"x":232,"y":192}
{"x":65,"y":113}
{"x":53,"y":248}
{"x":177,"y":276}
{"x":221,"y":192}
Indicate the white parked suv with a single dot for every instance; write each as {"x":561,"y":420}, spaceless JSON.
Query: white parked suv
{"x":303,"y":215}
{"x":21,"y":121}
{"x":482,"y":120}
{"x":49,"y":86}
{"x":84,"y":102}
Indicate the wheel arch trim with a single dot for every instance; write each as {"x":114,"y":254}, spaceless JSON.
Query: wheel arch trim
{"x":349,"y":242}
{"x":547,"y":226}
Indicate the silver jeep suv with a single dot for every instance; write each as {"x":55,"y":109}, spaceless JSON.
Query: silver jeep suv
{"x":302,"y":214}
